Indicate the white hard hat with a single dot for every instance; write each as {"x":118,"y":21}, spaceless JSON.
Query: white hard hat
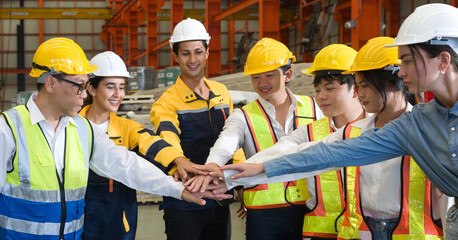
{"x":189,"y":29}
{"x":109,"y":65}
{"x":437,"y":22}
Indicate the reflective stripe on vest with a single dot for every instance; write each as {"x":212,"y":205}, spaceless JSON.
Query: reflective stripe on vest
{"x":31,"y":199}
{"x":320,"y":222}
{"x":275,"y":195}
{"x":415,"y":220}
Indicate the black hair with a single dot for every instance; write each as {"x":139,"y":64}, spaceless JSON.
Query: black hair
{"x":57,"y":76}
{"x":95,"y":81}
{"x":385,"y":80}
{"x":176,"y":46}
{"x":342,"y":79}
{"x":285,"y":68}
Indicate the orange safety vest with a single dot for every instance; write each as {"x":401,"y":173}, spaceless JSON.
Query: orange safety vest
{"x":320,"y":222}
{"x":275,"y":195}
{"x":415,"y":221}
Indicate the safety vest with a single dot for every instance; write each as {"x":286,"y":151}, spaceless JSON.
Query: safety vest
{"x":34,"y":202}
{"x":330,"y":202}
{"x":415,"y":220}
{"x":275,"y":195}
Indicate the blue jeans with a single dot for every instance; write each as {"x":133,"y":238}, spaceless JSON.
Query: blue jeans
{"x":451,"y":224}
{"x":381,"y":229}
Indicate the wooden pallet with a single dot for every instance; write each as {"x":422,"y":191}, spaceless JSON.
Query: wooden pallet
{"x":145,"y":198}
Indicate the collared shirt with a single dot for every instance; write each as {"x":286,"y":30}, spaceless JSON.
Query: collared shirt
{"x":107,"y":160}
{"x":428,"y":134}
{"x":236,"y":132}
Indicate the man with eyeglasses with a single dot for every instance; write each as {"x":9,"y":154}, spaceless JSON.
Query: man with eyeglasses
{"x":46,"y":151}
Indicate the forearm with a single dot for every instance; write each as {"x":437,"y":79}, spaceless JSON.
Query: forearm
{"x":118,"y":163}
{"x":366,"y":149}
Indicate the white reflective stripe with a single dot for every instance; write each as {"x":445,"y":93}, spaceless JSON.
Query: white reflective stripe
{"x":36,"y":228}
{"x":221,"y":106}
{"x":21,"y":148}
{"x":47,"y":196}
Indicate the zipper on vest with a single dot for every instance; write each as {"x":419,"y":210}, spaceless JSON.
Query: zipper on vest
{"x":63,"y":205}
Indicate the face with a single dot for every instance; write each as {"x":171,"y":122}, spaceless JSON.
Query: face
{"x":417,"y":75}
{"x":192,"y":59}
{"x":109,"y":94}
{"x":333,"y":98}
{"x":271,"y":85}
{"x":368,"y":95}
{"x":64,"y":95}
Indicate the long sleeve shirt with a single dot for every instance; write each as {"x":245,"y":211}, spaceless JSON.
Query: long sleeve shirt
{"x":236,"y":132}
{"x":428,"y":134}
{"x":108,"y":160}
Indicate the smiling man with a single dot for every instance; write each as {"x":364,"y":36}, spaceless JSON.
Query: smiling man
{"x":190,"y":115}
{"x":46,"y":151}
{"x":259,"y":125}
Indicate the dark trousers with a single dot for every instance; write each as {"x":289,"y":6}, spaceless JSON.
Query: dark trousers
{"x":211,"y":224}
{"x":275,"y":224}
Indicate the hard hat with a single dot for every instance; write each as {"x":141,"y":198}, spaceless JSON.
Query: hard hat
{"x":60,"y":55}
{"x":109,"y":65}
{"x":187,"y":30}
{"x":373,"y":55}
{"x":267,"y":55}
{"x":335,"y":57}
{"x":429,"y":21}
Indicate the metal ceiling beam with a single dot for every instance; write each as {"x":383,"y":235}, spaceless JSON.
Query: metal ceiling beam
{"x":55,"y":13}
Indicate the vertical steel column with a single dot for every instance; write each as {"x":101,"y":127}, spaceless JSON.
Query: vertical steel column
{"x":176,"y":15}
{"x":20,"y":39}
{"x":269,"y":19}
{"x":231,"y":40}
{"x":213,"y":7}
{"x":393,"y":19}
{"x":40,"y":25}
{"x":131,"y":18}
{"x":367,"y":21}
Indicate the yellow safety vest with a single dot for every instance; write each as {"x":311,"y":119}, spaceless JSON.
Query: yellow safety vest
{"x":275,"y":195}
{"x":36,"y":201}
{"x":320,"y":222}
{"x":415,"y":221}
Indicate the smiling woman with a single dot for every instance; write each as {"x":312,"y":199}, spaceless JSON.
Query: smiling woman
{"x":110,"y":204}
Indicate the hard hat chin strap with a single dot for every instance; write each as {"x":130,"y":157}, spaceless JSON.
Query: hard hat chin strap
{"x":51,"y":71}
{"x":392,"y":68}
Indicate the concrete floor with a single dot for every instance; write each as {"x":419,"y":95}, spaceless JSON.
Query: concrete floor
{"x":151,"y":224}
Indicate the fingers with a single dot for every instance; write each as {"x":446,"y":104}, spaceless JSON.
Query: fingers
{"x":238,"y":167}
{"x":205,"y":183}
{"x":183,"y":173}
{"x":176,"y":176}
{"x":195,"y":198}
{"x":219,"y":174}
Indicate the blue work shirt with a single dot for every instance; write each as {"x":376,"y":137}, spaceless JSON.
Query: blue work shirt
{"x":429,"y":134}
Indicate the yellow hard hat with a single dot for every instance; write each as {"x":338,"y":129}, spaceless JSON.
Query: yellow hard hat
{"x":335,"y":57}
{"x":373,"y":55}
{"x":267,"y":55}
{"x":60,"y":55}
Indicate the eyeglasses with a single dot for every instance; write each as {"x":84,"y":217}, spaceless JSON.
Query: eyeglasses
{"x":81,"y":86}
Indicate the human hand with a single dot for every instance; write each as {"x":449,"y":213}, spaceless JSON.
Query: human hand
{"x":185,"y":167}
{"x":242,"y":209}
{"x":245,"y":169}
{"x":199,"y":183}
{"x":197,"y":198}
{"x":202,"y":182}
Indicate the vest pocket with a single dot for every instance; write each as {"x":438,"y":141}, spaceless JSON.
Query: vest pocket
{"x":44,"y":160}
